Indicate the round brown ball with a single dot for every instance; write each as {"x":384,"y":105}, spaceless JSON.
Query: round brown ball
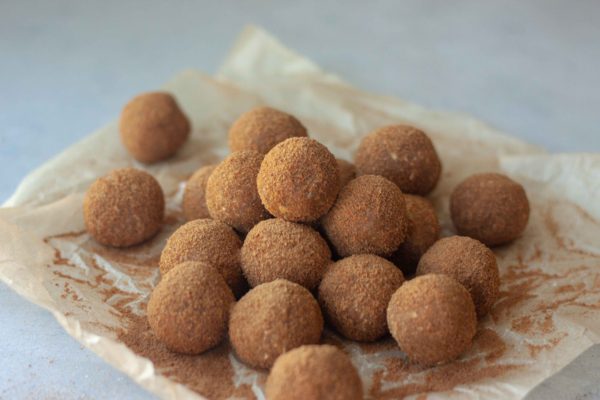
{"x":261,"y":128}
{"x":208,"y":241}
{"x":314,"y":372}
{"x":194,"y":196}
{"x":347,"y":171}
{"x":124,"y":207}
{"x":189,"y":308}
{"x":404,"y":155}
{"x":298,"y":180}
{"x":354,"y":295}
{"x":153,"y":127}
{"x":279,"y":249}
{"x":271,"y":319}
{"x":369,"y":216}
{"x":423,"y":230}
{"x":491,"y":208}
{"x":468,"y":261}
{"x":231,"y":194}
{"x":432,"y":317}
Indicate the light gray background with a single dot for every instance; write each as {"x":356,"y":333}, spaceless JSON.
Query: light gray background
{"x":66,"y":67}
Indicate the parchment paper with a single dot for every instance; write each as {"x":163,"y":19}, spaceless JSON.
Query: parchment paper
{"x":549,"y":309}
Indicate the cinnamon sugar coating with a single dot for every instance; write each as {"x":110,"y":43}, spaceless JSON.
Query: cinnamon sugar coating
{"x":153,"y":127}
{"x":433,"y":319}
{"x":271,"y":319}
{"x":468,"y":261}
{"x":207,"y":241}
{"x":369,"y":216}
{"x":490,"y":207}
{"x":123,"y":208}
{"x":423,"y":229}
{"x":314,"y":372}
{"x":403,"y":154}
{"x":279,"y":249}
{"x":189,"y":308}
{"x":354,"y":295}
{"x":231,"y":194}
{"x":194,"y":196}
{"x":261,"y":128}
{"x":298,"y":180}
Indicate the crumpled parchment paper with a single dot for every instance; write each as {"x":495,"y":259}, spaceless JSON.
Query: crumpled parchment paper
{"x":549,"y":309}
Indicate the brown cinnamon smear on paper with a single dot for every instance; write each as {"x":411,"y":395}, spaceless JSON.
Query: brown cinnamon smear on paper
{"x":520,"y":311}
{"x":210,"y":374}
{"x":487,"y":345}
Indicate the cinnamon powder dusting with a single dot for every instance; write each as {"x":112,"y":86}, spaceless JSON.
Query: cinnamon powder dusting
{"x":538,"y":280}
{"x":488,"y":347}
{"x":210,"y":374}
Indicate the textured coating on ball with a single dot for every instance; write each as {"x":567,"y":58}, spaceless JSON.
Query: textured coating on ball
{"x":354,"y":295}
{"x":314,"y":372}
{"x":272,"y":319}
{"x":194,"y":196}
{"x":369,"y":216}
{"x":189,"y":308}
{"x":298,"y":180}
{"x":231,"y":194}
{"x":153,"y":127}
{"x":468,"y":261}
{"x":124,"y":208}
{"x":279,"y":249}
{"x":208,"y":241}
{"x":490,"y":207}
{"x":432,"y":317}
{"x":261,"y":128}
{"x":423,"y":230}
{"x":404,"y":155}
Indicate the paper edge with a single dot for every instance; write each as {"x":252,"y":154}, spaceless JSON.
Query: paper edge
{"x":253,"y":32}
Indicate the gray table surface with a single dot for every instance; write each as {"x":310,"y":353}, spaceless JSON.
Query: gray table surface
{"x":66,"y":67}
